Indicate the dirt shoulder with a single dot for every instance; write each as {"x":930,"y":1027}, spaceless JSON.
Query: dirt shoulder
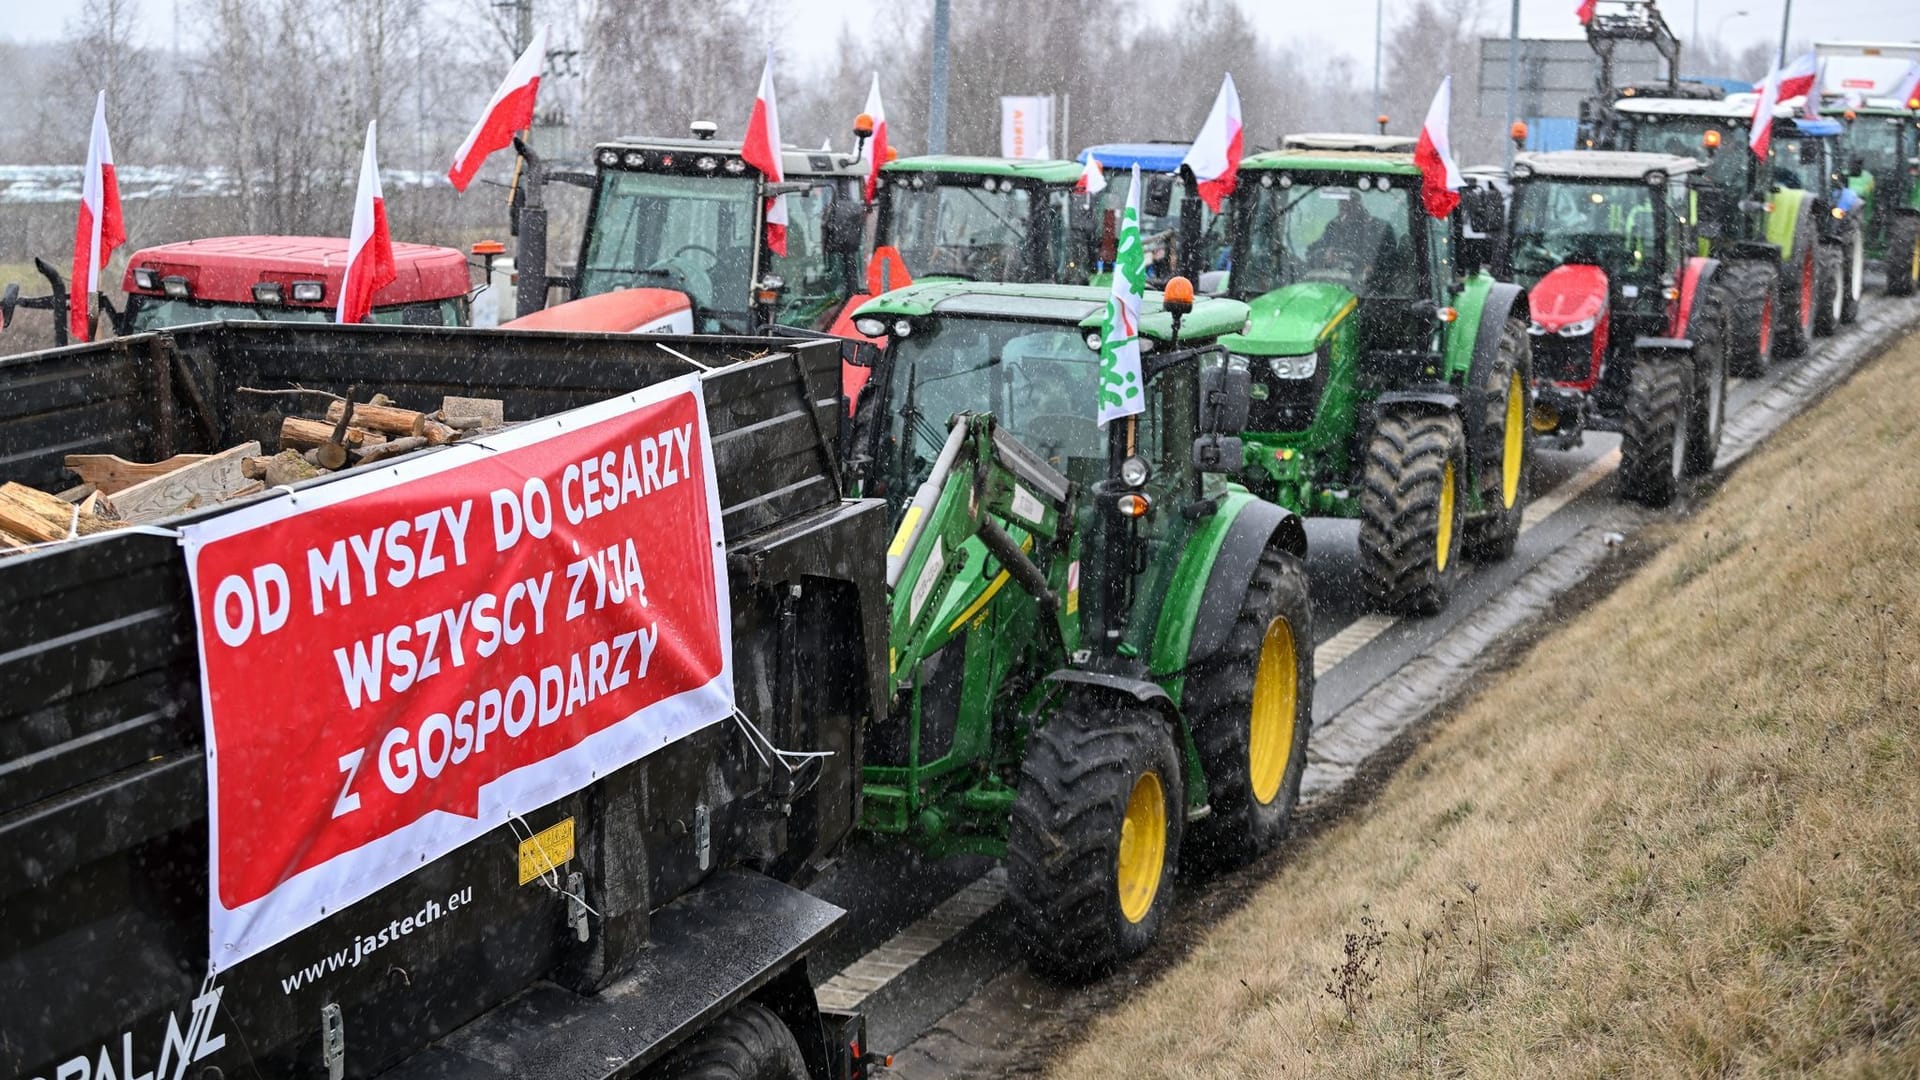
{"x":1680,"y":838}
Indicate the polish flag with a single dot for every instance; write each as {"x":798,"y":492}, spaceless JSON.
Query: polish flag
{"x":369,"y":246}
{"x":762,"y":151}
{"x":510,"y":110}
{"x":1214,"y":157}
{"x":100,"y":228}
{"x":1760,"y":124}
{"x":1585,"y":11}
{"x":1093,"y":179}
{"x":1795,"y":80}
{"x":877,"y":143}
{"x":1440,"y":179}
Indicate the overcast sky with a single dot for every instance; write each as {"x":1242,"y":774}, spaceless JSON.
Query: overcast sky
{"x":1348,"y":26}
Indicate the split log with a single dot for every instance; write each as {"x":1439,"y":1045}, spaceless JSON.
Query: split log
{"x":33,"y":515}
{"x":202,"y":483}
{"x":393,"y":448}
{"x":111,"y":472}
{"x":299,"y":433}
{"x":382,"y":418}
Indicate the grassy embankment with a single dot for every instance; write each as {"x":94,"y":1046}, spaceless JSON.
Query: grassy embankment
{"x":1681,"y":838}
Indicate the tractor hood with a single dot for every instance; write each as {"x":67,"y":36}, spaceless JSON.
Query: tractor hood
{"x":623,"y":311}
{"x":1293,"y":320}
{"x":1568,"y":294}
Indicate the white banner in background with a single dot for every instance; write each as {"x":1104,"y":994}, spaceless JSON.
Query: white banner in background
{"x":1026,"y":127}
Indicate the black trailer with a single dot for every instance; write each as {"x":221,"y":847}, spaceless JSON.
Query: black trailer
{"x":693,"y":932}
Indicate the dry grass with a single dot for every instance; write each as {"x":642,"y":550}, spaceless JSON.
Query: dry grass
{"x":1683,"y":839}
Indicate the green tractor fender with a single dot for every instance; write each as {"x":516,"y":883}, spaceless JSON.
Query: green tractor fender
{"x":1790,"y":206}
{"x":1215,"y":570}
{"x":1123,"y":688}
{"x":1499,"y":302}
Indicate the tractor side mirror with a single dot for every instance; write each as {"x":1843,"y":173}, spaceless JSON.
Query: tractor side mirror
{"x":1226,"y":400}
{"x":846,"y":219}
{"x":1159,"y":196}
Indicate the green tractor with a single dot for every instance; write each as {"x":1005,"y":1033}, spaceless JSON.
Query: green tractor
{"x":1101,"y":648}
{"x":982,"y":218}
{"x":1883,"y":171}
{"x":1388,"y":384}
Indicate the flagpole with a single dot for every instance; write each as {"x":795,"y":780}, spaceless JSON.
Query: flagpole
{"x":1786,"y":20}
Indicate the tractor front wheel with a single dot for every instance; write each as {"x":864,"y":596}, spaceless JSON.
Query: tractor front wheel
{"x":1503,"y":454}
{"x":1707,"y":413}
{"x":749,"y":1043}
{"x":1903,"y":255}
{"x":1653,"y":435}
{"x":1830,"y":295}
{"x":1095,"y":836}
{"x":1799,"y":294}
{"x":1755,"y":293}
{"x":1250,"y":707}
{"x":1411,"y":510}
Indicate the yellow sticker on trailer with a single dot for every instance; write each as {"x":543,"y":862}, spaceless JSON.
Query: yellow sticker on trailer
{"x":546,"y":851}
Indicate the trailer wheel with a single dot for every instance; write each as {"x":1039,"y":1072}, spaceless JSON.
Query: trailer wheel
{"x":1250,"y":708}
{"x":1503,"y":464}
{"x":1707,"y":412}
{"x":1095,"y":836}
{"x":1411,"y":510}
{"x":1653,"y":435}
{"x":748,"y":1043}
{"x":1799,"y":294}
{"x":1755,"y":305}
{"x":1830,"y":293}
{"x":1903,"y":255}
{"x":1855,"y":257}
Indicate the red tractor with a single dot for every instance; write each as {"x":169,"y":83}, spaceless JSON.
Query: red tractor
{"x":1630,"y":327}
{"x":283,"y":279}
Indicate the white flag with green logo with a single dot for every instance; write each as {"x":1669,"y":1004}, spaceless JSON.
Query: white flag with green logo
{"x":1122,"y":389}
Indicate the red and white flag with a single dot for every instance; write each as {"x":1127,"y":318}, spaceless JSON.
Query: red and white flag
{"x":1093,"y":179}
{"x":1585,"y":11}
{"x":100,"y":228}
{"x":877,"y":143}
{"x":510,"y":110}
{"x":1440,"y":179}
{"x":369,"y":246}
{"x":1214,"y":157}
{"x":1907,"y":89}
{"x":1760,"y":124}
{"x":762,"y":151}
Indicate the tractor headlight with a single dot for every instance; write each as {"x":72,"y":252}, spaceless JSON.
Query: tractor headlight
{"x":609,"y":157}
{"x":902,"y":328}
{"x":1578,"y":329}
{"x":1536,"y":330}
{"x":871,"y":326}
{"x":1294,"y":367}
{"x":309,"y":292}
{"x":1134,"y":472}
{"x":634,"y":159}
{"x":735,"y":166}
{"x":1093,"y":340}
{"x":147,"y":278}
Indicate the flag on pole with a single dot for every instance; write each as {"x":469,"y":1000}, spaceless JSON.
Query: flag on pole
{"x":369,"y":246}
{"x":762,"y":151}
{"x":100,"y":227}
{"x":1093,"y":179}
{"x":1215,"y":155}
{"x":877,"y":143}
{"x":1796,"y":79}
{"x":1121,"y":383}
{"x":1585,"y":11}
{"x":1760,"y":124}
{"x":1815,"y":91}
{"x":1440,"y":179}
{"x":510,"y":110}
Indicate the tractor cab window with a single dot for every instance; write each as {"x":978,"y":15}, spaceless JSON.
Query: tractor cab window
{"x":692,"y":234}
{"x":1161,"y":232}
{"x":965,"y":226}
{"x":1685,"y":136}
{"x":1355,"y":232}
{"x":1612,"y":225}
{"x":1876,"y":140}
{"x":816,"y":280}
{"x":1798,"y":163}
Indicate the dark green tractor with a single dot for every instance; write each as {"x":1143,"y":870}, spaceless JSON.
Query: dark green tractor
{"x":1883,"y":171}
{"x":1388,"y":384}
{"x":1101,"y":647}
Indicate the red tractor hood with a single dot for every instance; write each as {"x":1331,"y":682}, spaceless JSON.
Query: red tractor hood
{"x":1567,"y":295}
{"x":626,"y":311}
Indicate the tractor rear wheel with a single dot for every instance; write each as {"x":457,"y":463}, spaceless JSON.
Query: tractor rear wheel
{"x":1830,"y":292}
{"x":1502,"y":451}
{"x":1799,"y":293}
{"x":1095,"y":836}
{"x":1412,"y":510}
{"x":1753,"y":286}
{"x":1903,"y":255}
{"x":1250,"y":707}
{"x":1707,"y":412}
{"x":1854,"y":254}
{"x":748,"y":1043}
{"x":1653,"y":431}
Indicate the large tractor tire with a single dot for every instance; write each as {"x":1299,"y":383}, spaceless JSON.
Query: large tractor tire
{"x":1830,"y":290}
{"x":1903,"y":255}
{"x":1853,"y":255}
{"x":1755,"y":290}
{"x":1412,"y":512}
{"x":1707,"y":411}
{"x":1250,"y":707}
{"x":748,"y":1043}
{"x":1095,"y":836}
{"x":1653,"y":431}
{"x":1502,"y":452}
{"x":1799,"y":293}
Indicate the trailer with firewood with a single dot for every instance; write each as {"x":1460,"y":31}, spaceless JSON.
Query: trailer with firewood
{"x":576,"y":853}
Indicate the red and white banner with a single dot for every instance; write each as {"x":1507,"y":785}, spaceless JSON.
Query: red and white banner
{"x":762,"y":148}
{"x":876,"y":150}
{"x":370,"y":265}
{"x":100,"y":227}
{"x":1440,"y":179}
{"x":400,"y":661}
{"x":510,"y":110}
{"x":1760,"y":124}
{"x":1214,"y":156}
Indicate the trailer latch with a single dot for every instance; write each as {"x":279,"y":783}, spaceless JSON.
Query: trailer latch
{"x":333,"y":1041}
{"x":577,"y":904}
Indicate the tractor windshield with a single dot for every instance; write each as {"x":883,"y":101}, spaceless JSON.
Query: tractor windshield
{"x":1612,"y":225}
{"x":1686,"y":136}
{"x":694,"y":234}
{"x":1798,"y":162}
{"x":1355,"y":231}
{"x":977,"y":227}
{"x":1876,"y":140}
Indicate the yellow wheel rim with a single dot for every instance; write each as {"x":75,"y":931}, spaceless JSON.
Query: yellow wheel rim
{"x":1443,"y":539}
{"x":1275,"y":697}
{"x":1516,"y":442}
{"x":1916,"y":261}
{"x":1143,"y":847}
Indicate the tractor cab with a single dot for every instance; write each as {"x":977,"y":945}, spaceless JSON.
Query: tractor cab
{"x":1182,"y":235}
{"x":982,"y":219}
{"x":284,"y":279}
{"x":680,"y":223}
{"x":1881,"y":163}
